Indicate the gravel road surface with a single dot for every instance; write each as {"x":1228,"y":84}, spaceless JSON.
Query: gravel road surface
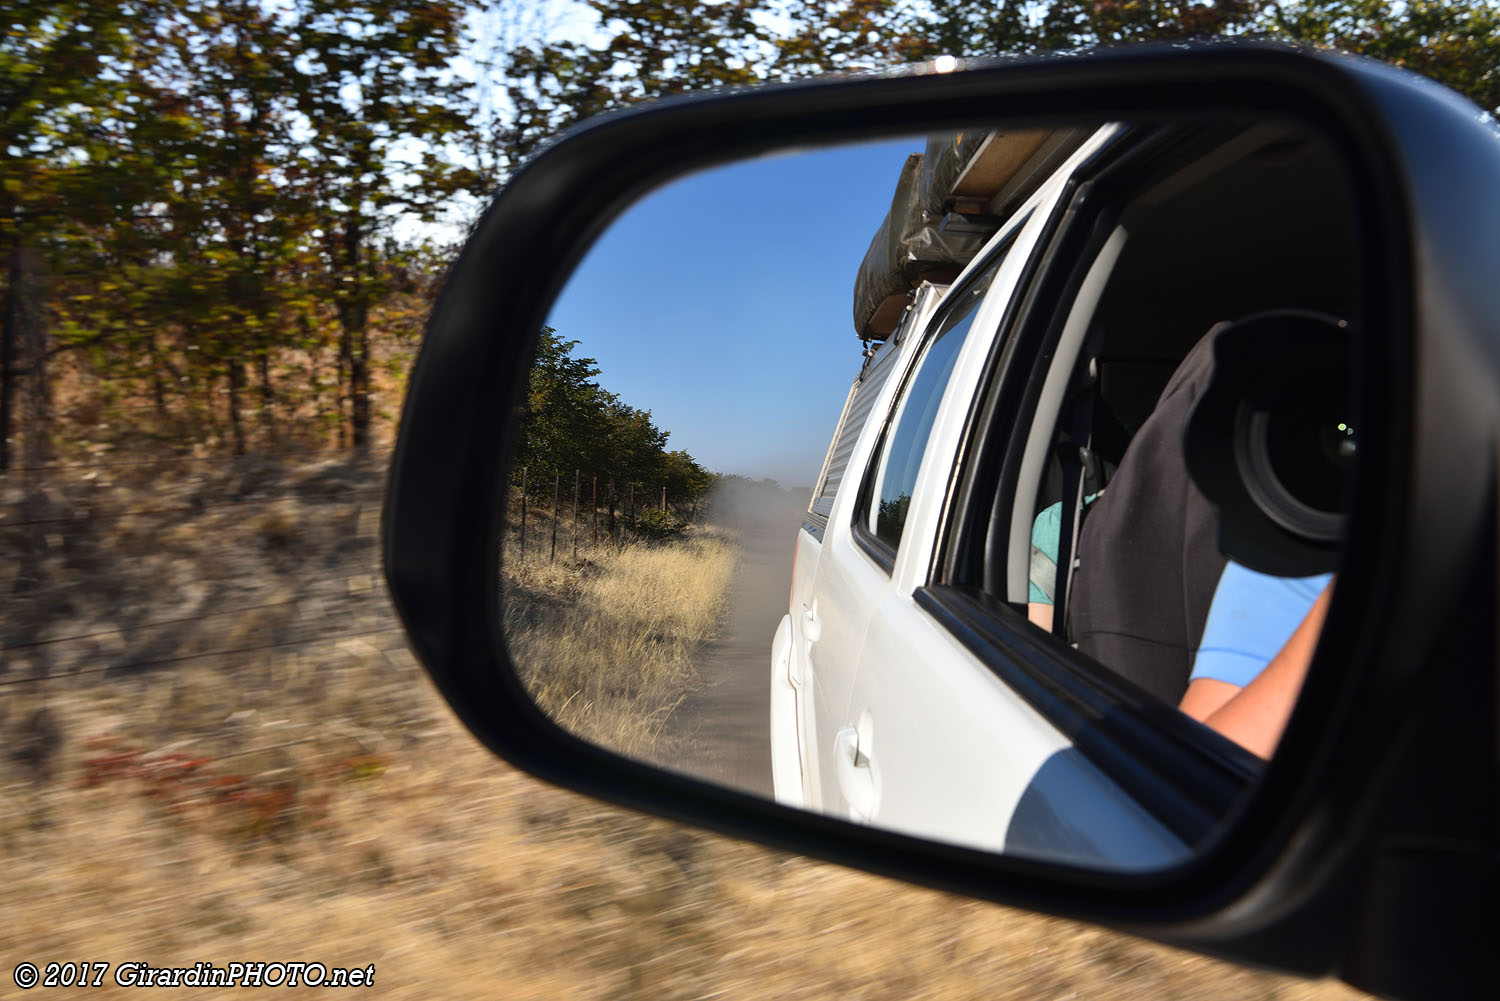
{"x":721,"y":730}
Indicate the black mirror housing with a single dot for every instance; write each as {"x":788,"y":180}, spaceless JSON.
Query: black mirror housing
{"x":1370,"y":847}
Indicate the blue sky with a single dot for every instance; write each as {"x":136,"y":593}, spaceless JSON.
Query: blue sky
{"x":723,"y":303}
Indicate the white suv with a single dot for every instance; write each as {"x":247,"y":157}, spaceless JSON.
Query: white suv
{"x":910,"y":689}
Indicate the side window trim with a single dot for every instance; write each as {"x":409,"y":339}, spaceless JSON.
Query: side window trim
{"x":973,"y":521}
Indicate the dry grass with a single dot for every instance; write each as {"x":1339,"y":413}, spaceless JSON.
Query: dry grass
{"x":606,"y":644}
{"x":364,"y":826}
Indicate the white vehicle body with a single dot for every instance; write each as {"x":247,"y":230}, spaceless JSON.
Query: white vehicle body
{"x":880,"y":712}
{"x":844,"y":661}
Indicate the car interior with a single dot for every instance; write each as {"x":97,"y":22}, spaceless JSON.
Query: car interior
{"x":1215,"y":229}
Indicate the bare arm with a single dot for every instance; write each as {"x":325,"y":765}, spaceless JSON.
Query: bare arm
{"x":1206,"y":696}
{"x":1255,"y":715}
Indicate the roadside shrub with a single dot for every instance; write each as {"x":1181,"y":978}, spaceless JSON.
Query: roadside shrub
{"x":652,"y":525}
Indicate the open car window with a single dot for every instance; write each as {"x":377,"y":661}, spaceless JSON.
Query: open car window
{"x":1077,"y":515}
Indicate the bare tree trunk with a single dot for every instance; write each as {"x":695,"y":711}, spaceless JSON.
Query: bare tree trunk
{"x":556,"y":481}
{"x":27,"y":332}
{"x":10,"y":347}
{"x":612,"y":501}
{"x":267,"y":396}
{"x":354,"y":316}
{"x":236,"y":385}
{"x":158,"y":387}
{"x":32,"y":328}
{"x":359,"y":384}
{"x":343,"y":369}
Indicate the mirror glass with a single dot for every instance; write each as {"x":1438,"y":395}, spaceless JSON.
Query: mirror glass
{"x":985,"y":486}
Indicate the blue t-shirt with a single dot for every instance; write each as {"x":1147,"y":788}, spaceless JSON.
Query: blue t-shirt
{"x":1250,"y":620}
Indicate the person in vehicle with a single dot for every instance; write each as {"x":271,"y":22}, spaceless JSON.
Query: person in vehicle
{"x":1147,"y":562}
{"x":1155,"y":600}
{"x":1245,"y":680}
{"x":1046,"y":533}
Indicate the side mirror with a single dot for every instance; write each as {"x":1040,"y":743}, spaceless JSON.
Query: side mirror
{"x":1063,"y":236}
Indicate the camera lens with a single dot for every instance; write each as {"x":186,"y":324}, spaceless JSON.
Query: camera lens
{"x":1295,"y":447}
{"x":1271,"y":441}
{"x":1310,"y":441}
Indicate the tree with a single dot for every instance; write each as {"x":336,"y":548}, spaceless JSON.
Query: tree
{"x":236,"y":214}
{"x":55,"y":92}
{"x":570,"y":422}
{"x":563,"y":412}
{"x":378,"y":101}
{"x":655,"y":48}
{"x":633,"y":446}
{"x":684,"y":479}
{"x":1455,"y":42}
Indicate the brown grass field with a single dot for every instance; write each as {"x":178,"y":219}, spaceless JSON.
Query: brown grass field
{"x":605,"y":644}
{"x":234,"y":758}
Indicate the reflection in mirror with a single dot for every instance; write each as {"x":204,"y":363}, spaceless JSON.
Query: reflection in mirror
{"x":945,"y":565}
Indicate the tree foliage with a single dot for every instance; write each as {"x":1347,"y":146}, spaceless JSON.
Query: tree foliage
{"x":570,"y":424}
{"x":1455,"y":42}
{"x":651,"y":49}
{"x":203,"y":194}
{"x":211,"y":210}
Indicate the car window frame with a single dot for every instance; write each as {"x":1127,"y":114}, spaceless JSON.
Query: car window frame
{"x":976,"y":283}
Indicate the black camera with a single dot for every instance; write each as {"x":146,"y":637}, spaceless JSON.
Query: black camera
{"x":1271,"y":441}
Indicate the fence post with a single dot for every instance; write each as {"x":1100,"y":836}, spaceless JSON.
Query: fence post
{"x":609,"y":498}
{"x":596,"y":512}
{"x":575,"y":516}
{"x":523,"y":512}
{"x":664,"y":498}
{"x":556,"y":482}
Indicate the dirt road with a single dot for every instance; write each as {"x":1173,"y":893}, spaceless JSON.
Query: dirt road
{"x":720,"y":732}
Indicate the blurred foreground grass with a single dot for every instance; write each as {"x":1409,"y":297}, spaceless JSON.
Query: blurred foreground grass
{"x":233,"y":758}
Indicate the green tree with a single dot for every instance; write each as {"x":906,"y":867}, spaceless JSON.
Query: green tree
{"x":562,"y":416}
{"x":378,"y":101}
{"x":570,"y":422}
{"x":632,"y":447}
{"x":237,"y":215}
{"x":1455,"y":42}
{"x":655,"y":48}
{"x":56,"y":89}
{"x":684,"y":479}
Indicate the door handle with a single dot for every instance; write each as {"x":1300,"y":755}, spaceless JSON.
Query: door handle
{"x":812,"y":626}
{"x":856,"y":774}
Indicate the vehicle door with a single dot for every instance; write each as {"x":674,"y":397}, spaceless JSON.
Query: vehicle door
{"x":857,"y":569}
{"x":793,"y":718}
{"x":934,"y":743}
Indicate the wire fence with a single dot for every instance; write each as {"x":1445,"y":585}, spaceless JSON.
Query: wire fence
{"x":624,"y":512}
{"x":178,"y":460}
{"x":93,"y":600}
{"x":64,"y":627}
